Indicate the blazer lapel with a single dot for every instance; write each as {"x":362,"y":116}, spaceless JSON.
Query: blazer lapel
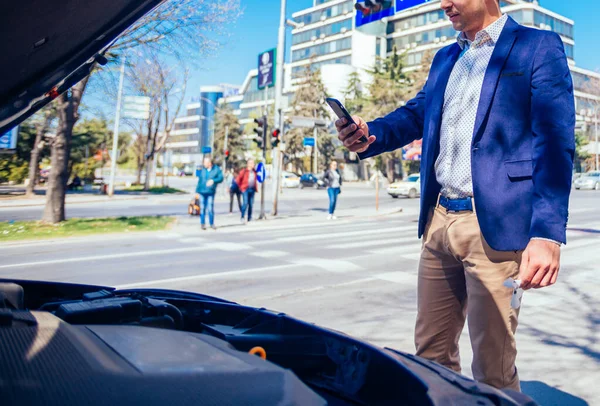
{"x":492,"y":75}
{"x":437,"y":99}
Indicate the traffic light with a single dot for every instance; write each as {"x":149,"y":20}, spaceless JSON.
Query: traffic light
{"x":368,"y":7}
{"x":275,"y":138}
{"x":261,"y":132}
{"x":226,"y":153}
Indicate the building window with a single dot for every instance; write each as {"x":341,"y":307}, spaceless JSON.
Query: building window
{"x":326,"y":30}
{"x":330,"y":12}
{"x":298,"y":71}
{"x":322,"y":49}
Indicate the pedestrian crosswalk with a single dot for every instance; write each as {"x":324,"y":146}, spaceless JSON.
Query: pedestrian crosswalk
{"x":349,"y":247}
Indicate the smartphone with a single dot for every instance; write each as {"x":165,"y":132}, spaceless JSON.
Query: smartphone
{"x":339,"y":109}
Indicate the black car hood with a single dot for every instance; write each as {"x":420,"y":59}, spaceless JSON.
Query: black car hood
{"x":326,"y":360}
{"x":48,"y":46}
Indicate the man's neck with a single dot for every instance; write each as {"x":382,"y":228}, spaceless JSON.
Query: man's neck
{"x":489,"y":20}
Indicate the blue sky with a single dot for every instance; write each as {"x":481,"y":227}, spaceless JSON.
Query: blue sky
{"x":256,"y":31}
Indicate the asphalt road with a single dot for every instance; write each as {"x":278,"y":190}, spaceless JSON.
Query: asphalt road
{"x":356,"y":275}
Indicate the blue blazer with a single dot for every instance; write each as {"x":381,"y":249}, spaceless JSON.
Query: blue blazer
{"x":523,"y":142}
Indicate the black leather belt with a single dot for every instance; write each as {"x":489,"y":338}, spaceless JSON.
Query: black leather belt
{"x":457,"y":205}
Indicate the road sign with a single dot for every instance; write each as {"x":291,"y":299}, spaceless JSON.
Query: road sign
{"x":374,"y":10}
{"x":206,"y":150}
{"x":261,"y":172}
{"x":136,"y":107}
{"x":402,"y":5}
{"x":8,"y":141}
{"x":308,"y":122}
{"x":309,"y":142}
{"x":266,"y":69}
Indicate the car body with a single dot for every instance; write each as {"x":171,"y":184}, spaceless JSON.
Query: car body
{"x":310,"y":180}
{"x":95,"y":345}
{"x":588,"y":181}
{"x":411,"y":187}
{"x":290,"y":179}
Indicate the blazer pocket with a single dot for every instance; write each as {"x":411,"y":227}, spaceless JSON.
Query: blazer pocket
{"x":519,"y":170}
{"x":509,"y":74}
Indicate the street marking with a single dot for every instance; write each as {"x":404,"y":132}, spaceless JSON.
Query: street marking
{"x":105,"y":257}
{"x":330,"y":265}
{"x":313,"y":289}
{"x":366,"y":244}
{"x":581,"y":243}
{"x":361,"y":233}
{"x":169,"y":236}
{"x":354,"y":222}
{"x":409,"y":278}
{"x":269,"y":254}
{"x":192,"y":240}
{"x":399,"y":250}
{"x":228,"y":246}
{"x":205,"y":276}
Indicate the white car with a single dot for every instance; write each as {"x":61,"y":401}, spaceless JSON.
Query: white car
{"x":290,"y":180}
{"x":411,"y":187}
{"x":589,"y":181}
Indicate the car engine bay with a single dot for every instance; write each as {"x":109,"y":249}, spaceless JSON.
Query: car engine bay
{"x":74,"y":344}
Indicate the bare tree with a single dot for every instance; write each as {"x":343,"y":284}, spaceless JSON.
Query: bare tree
{"x":42,"y":123}
{"x":67,"y":105}
{"x":164,"y":85}
{"x":178,"y":28}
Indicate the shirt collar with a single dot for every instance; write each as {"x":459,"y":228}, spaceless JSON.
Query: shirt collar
{"x":490,"y":33}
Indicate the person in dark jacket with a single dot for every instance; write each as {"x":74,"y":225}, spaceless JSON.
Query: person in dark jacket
{"x":247,"y":181}
{"x":333,"y":180}
{"x":234,"y":190}
{"x":210,"y":176}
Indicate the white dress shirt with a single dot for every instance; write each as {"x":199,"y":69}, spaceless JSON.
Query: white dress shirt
{"x":461,"y":101}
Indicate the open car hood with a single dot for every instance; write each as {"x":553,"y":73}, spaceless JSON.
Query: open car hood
{"x":48,"y":46}
{"x":71,"y":342}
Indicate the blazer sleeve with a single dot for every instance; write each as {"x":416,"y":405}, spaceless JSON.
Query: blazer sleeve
{"x":553,"y":127}
{"x":399,"y":128}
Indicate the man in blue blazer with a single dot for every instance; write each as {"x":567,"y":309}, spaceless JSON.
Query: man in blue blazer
{"x":497,"y":120}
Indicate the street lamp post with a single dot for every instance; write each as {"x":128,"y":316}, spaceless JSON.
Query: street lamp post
{"x":596,"y":149}
{"x":113,"y":163}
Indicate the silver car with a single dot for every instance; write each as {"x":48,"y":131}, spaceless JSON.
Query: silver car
{"x":588,"y":181}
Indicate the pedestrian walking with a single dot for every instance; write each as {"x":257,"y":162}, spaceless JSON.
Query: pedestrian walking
{"x":248,"y":184}
{"x":497,"y":119}
{"x":333,"y":180}
{"x":210,"y":176}
{"x":234,"y":190}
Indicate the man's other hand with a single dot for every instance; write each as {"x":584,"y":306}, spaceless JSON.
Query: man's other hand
{"x":540,"y":264}
{"x":351,"y":141}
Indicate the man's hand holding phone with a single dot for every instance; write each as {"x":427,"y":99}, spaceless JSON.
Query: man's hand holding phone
{"x":350,"y":136}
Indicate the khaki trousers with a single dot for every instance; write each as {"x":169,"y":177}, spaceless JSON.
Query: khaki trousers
{"x":460,"y":277}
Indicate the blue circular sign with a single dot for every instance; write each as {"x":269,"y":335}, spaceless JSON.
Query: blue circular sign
{"x":261,"y":172}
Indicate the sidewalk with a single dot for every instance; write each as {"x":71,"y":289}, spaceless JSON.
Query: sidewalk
{"x":187,"y":224}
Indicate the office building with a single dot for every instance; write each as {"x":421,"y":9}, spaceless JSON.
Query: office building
{"x":327,"y":38}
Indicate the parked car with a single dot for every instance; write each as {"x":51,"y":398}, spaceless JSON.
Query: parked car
{"x":290,"y":179}
{"x":311,"y":180}
{"x":411,"y":187}
{"x":588,"y":181}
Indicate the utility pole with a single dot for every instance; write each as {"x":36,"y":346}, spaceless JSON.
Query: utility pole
{"x":113,"y":163}
{"x":263,"y":216}
{"x":225,"y":152}
{"x":278,"y":119}
{"x":596,"y":149}
{"x":316,"y":169}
